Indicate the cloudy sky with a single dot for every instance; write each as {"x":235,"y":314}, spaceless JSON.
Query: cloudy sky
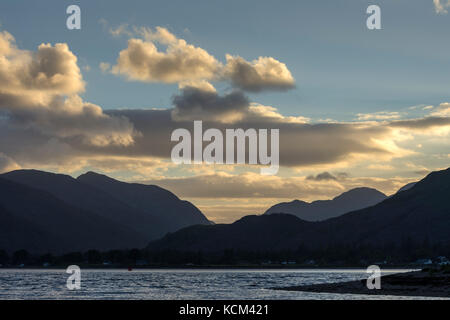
{"x":354,"y":107}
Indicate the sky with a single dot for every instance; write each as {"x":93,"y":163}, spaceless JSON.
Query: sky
{"x":355,"y":107}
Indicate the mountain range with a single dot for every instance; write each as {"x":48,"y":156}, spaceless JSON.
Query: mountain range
{"x":47,"y":212}
{"x":420,"y":213}
{"x":351,"y":200}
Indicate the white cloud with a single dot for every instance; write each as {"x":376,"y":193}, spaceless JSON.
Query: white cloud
{"x":143,"y":61}
{"x":441,"y":6}
{"x":201,"y":85}
{"x":40,"y":90}
{"x":120,"y":30}
{"x":443,"y":110}
{"x":7,"y":164}
{"x":381,"y":115}
{"x":104,"y":67}
{"x":181,"y":62}
{"x":264,"y":73}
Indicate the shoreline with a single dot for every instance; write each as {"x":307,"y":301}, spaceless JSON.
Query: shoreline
{"x":424,"y":283}
{"x":214,"y":267}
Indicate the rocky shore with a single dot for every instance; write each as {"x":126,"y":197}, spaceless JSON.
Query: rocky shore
{"x":424,"y":283}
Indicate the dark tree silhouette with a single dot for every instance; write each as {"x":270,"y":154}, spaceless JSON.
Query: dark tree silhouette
{"x":21,"y":257}
{"x":4,"y":257}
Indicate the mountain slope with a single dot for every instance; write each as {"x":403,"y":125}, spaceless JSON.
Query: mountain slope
{"x":249,"y":233}
{"x":86,"y":197}
{"x":42,"y":211}
{"x":421,"y":213}
{"x":171,"y":212}
{"x":18,"y":233}
{"x":351,"y":200}
{"x":35,"y":220}
{"x":406,"y":187}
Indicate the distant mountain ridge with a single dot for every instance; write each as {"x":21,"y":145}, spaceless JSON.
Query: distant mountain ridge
{"x":47,"y":212}
{"x":407,"y":187}
{"x":162,"y":204}
{"x":115,"y":219}
{"x":37,"y":221}
{"x":320,"y":210}
{"x":421,"y":213}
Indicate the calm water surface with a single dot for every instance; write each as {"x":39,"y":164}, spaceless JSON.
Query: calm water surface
{"x":174,"y":284}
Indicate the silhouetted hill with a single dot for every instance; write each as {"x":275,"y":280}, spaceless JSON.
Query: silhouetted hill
{"x":121,"y":216}
{"x":252,"y":233}
{"x":95,"y":200}
{"x":351,"y":200}
{"x":35,"y":220}
{"x":419,"y":214}
{"x":267,"y":232}
{"x":406,"y":187}
{"x":157,"y":202}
